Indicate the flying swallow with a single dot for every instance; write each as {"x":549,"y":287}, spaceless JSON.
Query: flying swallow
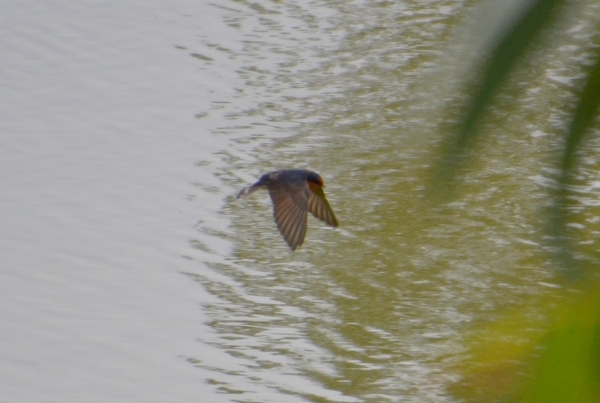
{"x":294,"y":192}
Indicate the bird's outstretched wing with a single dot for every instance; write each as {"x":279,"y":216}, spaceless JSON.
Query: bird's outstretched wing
{"x":290,"y":210}
{"x":320,"y":208}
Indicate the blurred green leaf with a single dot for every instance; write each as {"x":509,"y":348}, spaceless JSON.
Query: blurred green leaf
{"x":584,"y":117}
{"x":561,"y":364}
{"x":514,"y":43}
{"x":568,"y":367}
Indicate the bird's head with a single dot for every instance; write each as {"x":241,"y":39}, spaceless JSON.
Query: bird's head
{"x":315,"y":181}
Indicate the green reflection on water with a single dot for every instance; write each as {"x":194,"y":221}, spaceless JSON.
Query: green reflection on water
{"x":389,"y":296}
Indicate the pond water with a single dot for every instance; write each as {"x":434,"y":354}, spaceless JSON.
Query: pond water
{"x":130,"y":272}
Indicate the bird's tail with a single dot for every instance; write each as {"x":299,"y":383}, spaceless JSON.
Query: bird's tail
{"x":248,"y":190}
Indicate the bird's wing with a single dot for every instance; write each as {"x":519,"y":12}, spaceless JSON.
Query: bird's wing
{"x":320,"y":208}
{"x":290,"y":210}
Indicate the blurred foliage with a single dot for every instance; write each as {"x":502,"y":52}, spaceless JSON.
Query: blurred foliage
{"x":562,"y":362}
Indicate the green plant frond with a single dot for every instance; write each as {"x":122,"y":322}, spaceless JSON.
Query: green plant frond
{"x":584,"y":116}
{"x":567,"y":370}
{"x":513,"y":44}
{"x":558,"y":365}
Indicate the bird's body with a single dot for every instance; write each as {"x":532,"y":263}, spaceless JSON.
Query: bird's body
{"x":294,"y":192}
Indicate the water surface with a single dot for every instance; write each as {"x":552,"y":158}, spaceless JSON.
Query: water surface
{"x":378,"y":309}
{"x":130,"y":272}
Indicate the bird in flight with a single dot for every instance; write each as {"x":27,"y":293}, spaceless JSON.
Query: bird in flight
{"x":294,"y":192}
